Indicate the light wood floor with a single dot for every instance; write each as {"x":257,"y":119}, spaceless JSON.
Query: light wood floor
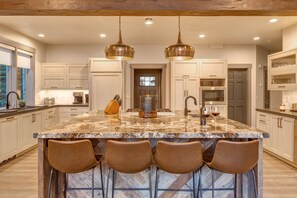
{"x":18,"y":178}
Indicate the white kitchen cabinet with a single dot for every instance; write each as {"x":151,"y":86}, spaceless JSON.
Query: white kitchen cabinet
{"x":50,"y":117}
{"x":64,"y":76}
{"x":105,"y":65}
{"x":281,"y":130}
{"x":282,"y":71}
{"x":213,"y":68}
{"x":8,"y":137}
{"x":67,"y":113}
{"x":53,"y":70}
{"x":104,"y":86}
{"x":25,"y":140}
{"x":182,"y":88}
{"x":77,"y":83}
{"x":36,"y":125}
{"x":185,"y":68}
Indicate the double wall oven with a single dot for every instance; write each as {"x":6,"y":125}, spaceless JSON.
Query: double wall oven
{"x":213,"y":91}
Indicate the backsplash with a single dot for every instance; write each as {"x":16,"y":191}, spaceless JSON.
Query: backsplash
{"x":61,"y":96}
{"x":289,"y":97}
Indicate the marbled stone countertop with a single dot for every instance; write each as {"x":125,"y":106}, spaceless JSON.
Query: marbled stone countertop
{"x":286,"y":113}
{"x":164,"y":126}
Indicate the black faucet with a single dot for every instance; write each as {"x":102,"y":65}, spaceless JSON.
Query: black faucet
{"x":7,"y":98}
{"x":186,"y":104}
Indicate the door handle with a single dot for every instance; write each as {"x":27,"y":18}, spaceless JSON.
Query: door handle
{"x":280,"y":123}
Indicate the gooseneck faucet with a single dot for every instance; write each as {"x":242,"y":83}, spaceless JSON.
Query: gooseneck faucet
{"x":7,"y":98}
{"x":186,"y":111}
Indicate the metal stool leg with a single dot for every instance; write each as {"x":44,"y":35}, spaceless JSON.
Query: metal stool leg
{"x":156,"y":182}
{"x":150,"y":181}
{"x":194,"y":187}
{"x":235,"y":185}
{"x":113,"y":183}
{"x":101,"y":175}
{"x":50,"y":184}
{"x":65,"y":185}
{"x":212,"y":182}
{"x":199,"y":183}
{"x":254,"y":181}
{"x":93,"y":182}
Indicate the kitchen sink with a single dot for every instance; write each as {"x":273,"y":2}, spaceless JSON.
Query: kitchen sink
{"x":8,"y":110}
{"x":194,"y":115}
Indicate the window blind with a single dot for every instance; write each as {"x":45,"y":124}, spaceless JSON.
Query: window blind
{"x":6,"y":54}
{"x":24,"y":59}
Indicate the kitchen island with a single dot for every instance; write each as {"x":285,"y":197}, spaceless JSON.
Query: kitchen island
{"x":129,"y":127}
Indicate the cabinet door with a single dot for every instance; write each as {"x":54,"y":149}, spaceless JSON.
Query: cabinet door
{"x":77,"y":83}
{"x":104,"y":86}
{"x":25,"y":132}
{"x":192,"y":87}
{"x":213,"y":69}
{"x":53,"y":70}
{"x":8,"y":133}
{"x":274,"y":134}
{"x":180,"y":68}
{"x":53,"y":82}
{"x":77,"y":70}
{"x":263,"y":124}
{"x":36,"y":126}
{"x":105,"y":65}
{"x":178,"y":94}
{"x":287,"y":138}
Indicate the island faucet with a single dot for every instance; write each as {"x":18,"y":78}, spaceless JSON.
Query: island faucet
{"x":7,"y":98}
{"x":186,"y":111}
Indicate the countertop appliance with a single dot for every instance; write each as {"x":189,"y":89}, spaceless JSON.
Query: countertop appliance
{"x":78,"y":97}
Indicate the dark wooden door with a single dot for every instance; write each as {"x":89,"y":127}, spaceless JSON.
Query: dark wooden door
{"x":147,"y":82}
{"x":237,"y":95}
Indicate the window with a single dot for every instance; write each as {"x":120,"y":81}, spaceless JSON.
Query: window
{"x":3,"y":84}
{"x":22,"y":75}
{"x":147,"y":81}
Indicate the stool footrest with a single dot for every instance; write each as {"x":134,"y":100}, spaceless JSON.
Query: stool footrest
{"x":84,"y":188}
{"x":172,"y":189}
{"x":210,"y":189}
{"x":128,"y":189}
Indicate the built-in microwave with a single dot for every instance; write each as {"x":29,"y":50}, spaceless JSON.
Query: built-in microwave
{"x":213,"y":95}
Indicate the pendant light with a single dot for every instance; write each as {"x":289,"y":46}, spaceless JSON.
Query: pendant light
{"x":119,"y":51}
{"x":179,"y":51}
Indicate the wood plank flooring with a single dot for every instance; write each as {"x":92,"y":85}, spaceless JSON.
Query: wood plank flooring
{"x":18,"y":178}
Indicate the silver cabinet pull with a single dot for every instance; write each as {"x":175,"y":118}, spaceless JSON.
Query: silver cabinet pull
{"x":54,"y":87}
{"x":281,"y":86}
{"x":280,"y":123}
{"x":10,"y":118}
{"x":73,"y":109}
{"x":73,"y":114}
{"x":212,"y":75}
{"x":78,"y":87}
{"x":262,"y":121}
{"x":262,"y":115}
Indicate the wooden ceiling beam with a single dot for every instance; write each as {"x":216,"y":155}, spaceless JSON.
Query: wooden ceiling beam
{"x":149,"y":7}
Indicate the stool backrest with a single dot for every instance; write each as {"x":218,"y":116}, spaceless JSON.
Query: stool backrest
{"x":71,"y":156}
{"x":179,"y":158}
{"x":129,"y":157}
{"x":235,"y":157}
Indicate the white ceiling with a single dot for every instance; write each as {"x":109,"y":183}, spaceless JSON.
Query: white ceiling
{"x":86,"y":29}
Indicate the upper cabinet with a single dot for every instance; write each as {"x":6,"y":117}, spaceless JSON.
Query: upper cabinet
{"x":185,"y":68}
{"x":213,"y":68}
{"x":282,"y":70}
{"x":64,"y":76}
{"x":105,"y":65}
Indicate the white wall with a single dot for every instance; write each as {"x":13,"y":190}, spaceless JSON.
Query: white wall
{"x":234,"y":54}
{"x":40,"y":51}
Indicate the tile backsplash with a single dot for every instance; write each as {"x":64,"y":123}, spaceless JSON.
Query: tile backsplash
{"x":61,"y":96}
{"x":289,"y":97}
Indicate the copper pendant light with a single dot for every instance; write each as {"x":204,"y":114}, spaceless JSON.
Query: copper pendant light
{"x":119,"y":51}
{"x":179,"y":51}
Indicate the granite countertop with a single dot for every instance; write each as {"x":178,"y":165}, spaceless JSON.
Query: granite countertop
{"x":286,"y":113}
{"x":29,"y":109}
{"x":165,"y":126}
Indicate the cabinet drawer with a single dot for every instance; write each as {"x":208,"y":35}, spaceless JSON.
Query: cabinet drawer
{"x":262,"y":116}
{"x":69,"y":115}
{"x":74,"y":109}
{"x":53,"y":82}
{"x":49,"y":112}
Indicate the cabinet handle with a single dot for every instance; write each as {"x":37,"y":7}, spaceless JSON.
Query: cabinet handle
{"x":33,"y":117}
{"x":212,"y":75}
{"x":262,"y":115}
{"x":50,"y":111}
{"x":184,"y":93}
{"x":280,"y":123}
{"x":78,"y":87}
{"x":54,"y":87}
{"x":262,"y":121}
{"x":73,"y":109}
{"x":9,"y":118}
{"x":281,"y":86}
{"x":73,"y":114}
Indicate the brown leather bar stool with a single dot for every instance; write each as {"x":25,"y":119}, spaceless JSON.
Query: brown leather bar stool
{"x":128,"y":158}
{"x":178,"y":158}
{"x":73,"y":157}
{"x":234,"y":158}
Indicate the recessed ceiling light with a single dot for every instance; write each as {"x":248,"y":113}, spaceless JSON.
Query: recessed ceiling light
{"x":41,"y":35}
{"x":256,"y":38}
{"x":102,"y":35}
{"x":273,"y":20}
{"x":148,"y":21}
{"x":201,"y":35}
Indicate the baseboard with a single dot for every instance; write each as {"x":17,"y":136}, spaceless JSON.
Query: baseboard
{"x":281,"y":158}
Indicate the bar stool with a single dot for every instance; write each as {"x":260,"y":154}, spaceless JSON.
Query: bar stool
{"x":178,"y":158}
{"x":128,"y":158}
{"x":73,"y":157}
{"x":234,"y":158}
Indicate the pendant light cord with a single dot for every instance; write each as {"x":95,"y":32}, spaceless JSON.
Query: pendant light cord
{"x":120,"y":31}
{"x":179,"y":32}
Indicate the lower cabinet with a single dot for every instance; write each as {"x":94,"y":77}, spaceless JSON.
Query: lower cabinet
{"x":281,"y":130}
{"x":8,"y":137}
{"x":67,"y":113}
{"x":50,"y":117}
